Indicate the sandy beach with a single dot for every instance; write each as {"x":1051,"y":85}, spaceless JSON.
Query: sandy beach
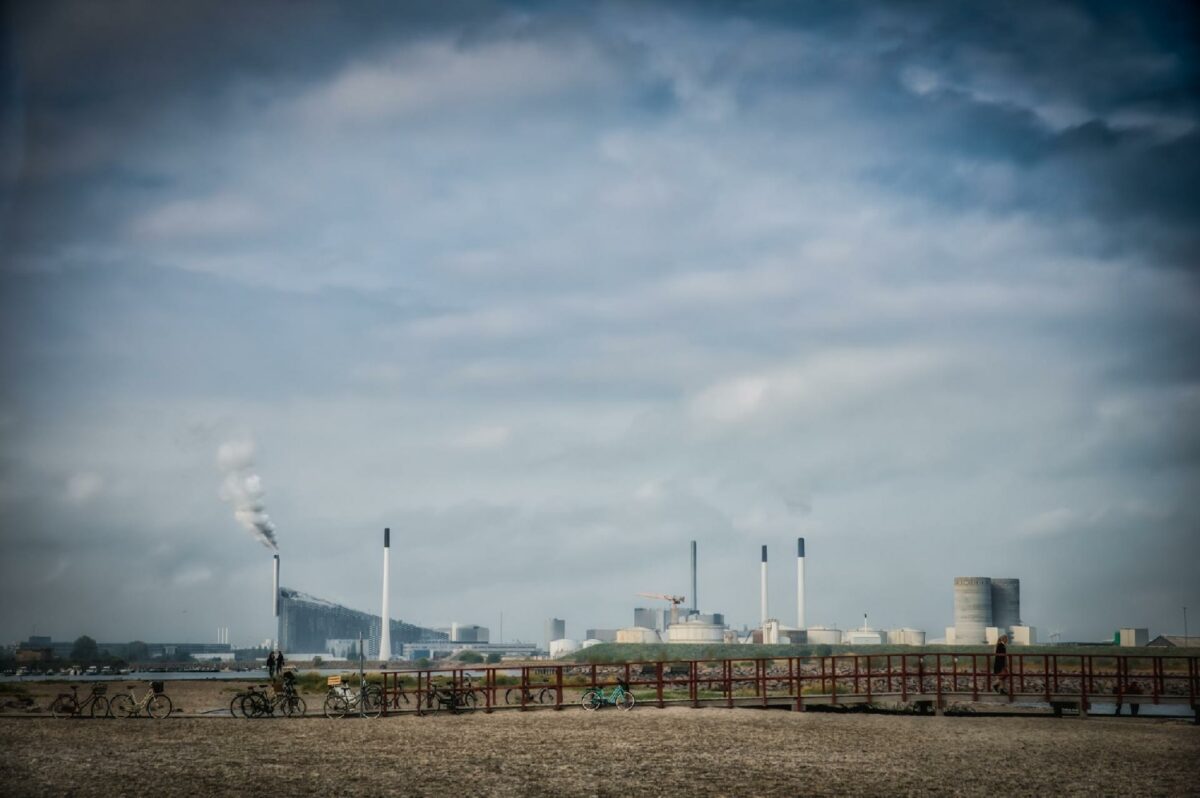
{"x":647,"y":752}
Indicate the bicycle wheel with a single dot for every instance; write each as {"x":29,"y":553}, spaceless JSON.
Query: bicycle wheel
{"x":549,"y":695}
{"x":159,"y":706}
{"x":123,"y":706}
{"x":371,"y":705}
{"x":294,"y":707}
{"x":626,"y":701}
{"x":336,"y":706}
{"x":99,"y":707}
{"x":254,"y":705}
{"x":470,"y":701}
{"x":512,"y":696}
{"x":64,"y":707}
{"x":235,"y":706}
{"x":591,"y":700}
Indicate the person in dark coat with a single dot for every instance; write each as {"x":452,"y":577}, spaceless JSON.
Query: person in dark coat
{"x":1000,"y":664}
{"x":271,"y":665}
{"x":279,"y":662}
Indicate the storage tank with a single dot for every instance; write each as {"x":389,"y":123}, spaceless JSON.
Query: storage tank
{"x":972,"y":609}
{"x":563,"y":646}
{"x":1006,"y":604}
{"x":895,"y":637}
{"x":913,"y":637}
{"x":823,"y":635}
{"x":591,"y":641}
{"x":864,"y":637}
{"x":695,"y":633}
{"x":637,"y":634}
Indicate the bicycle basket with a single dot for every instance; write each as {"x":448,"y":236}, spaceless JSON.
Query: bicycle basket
{"x":99,"y":689}
{"x":156,"y":686}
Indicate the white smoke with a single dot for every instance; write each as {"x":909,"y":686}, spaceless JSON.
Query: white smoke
{"x":244,"y":490}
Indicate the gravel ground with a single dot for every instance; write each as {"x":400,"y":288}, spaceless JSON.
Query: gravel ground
{"x":647,"y":752}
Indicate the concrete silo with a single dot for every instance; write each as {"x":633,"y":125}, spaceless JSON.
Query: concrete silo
{"x":972,"y":609}
{"x":1006,"y":604}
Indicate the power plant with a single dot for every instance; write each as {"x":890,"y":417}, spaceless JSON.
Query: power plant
{"x":986,"y":608}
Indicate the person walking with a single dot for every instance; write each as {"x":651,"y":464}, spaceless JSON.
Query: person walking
{"x":271,"y":661}
{"x":1000,"y":664}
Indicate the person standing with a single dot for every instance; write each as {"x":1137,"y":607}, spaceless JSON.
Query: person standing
{"x":279,"y":662}
{"x":1000,"y":664}
{"x":271,"y":662}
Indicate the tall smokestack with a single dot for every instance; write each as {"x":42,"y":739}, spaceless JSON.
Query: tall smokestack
{"x":385,"y":631}
{"x":695,"y":602}
{"x":275,"y":586}
{"x":764,"y":587}
{"x":800,"y":584}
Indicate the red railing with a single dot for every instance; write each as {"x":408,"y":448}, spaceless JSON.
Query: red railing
{"x":853,"y":678}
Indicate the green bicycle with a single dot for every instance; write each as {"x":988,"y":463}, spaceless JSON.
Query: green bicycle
{"x":620,"y":696}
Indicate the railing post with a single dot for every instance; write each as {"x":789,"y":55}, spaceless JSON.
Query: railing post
{"x":658,"y":670}
{"x":693,"y":687}
{"x":558,"y":701}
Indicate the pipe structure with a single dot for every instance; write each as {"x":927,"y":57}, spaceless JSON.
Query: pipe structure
{"x":763,"y":600}
{"x":800,"y":584}
{"x":695,"y":602}
{"x":275,"y":586}
{"x":385,"y":624}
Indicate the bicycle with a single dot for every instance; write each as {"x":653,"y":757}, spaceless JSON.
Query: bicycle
{"x":455,"y":699}
{"x":67,"y":705}
{"x":155,"y":702}
{"x":621,"y":696}
{"x":341,"y":699}
{"x":262,"y":703}
{"x":547,"y":695}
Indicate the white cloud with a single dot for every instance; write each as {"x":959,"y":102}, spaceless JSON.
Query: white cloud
{"x":83,"y":487}
{"x":485,"y":437}
{"x":218,"y":217}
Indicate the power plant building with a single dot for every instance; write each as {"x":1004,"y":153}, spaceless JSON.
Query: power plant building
{"x":307,"y":622}
{"x":984,"y":609}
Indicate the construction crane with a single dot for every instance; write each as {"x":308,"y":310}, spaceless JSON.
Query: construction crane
{"x":675,"y":602}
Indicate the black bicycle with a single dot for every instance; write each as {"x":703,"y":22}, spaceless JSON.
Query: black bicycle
{"x":68,"y":705}
{"x":546,"y":695}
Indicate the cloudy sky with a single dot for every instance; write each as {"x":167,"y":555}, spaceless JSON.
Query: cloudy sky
{"x":553,"y":289}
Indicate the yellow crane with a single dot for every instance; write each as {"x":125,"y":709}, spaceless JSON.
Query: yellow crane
{"x":675,"y":602}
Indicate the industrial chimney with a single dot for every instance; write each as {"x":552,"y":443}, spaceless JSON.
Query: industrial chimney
{"x":385,"y":623}
{"x":800,"y":584}
{"x":695,"y":603}
{"x":275,"y":586}
{"x":764,"y":586}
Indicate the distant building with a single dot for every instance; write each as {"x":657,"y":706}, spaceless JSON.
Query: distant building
{"x":603,"y":635}
{"x":306,"y":622}
{"x":468,"y":633}
{"x":1133,"y":636}
{"x":556,"y":629}
{"x":1175,"y":641}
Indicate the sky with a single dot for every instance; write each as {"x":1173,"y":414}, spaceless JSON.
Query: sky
{"x":551,"y":289}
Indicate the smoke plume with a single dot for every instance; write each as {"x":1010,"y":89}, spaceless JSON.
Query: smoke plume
{"x":243,"y":489}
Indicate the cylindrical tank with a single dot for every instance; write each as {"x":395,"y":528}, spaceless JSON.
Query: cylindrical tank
{"x":591,"y":641}
{"x":563,"y":646}
{"x":913,"y":637}
{"x":695,"y":633}
{"x":895,"y":637}
{"x":637,"y":634}
{"x":864,"y":637}
{"x":823,"y":635}
{"x":1006,"y":604}
{"x":972,"y":609}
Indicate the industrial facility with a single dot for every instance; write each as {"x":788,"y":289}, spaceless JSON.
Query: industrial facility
{"x":312,"y":625}
{"x":986,"y":608}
